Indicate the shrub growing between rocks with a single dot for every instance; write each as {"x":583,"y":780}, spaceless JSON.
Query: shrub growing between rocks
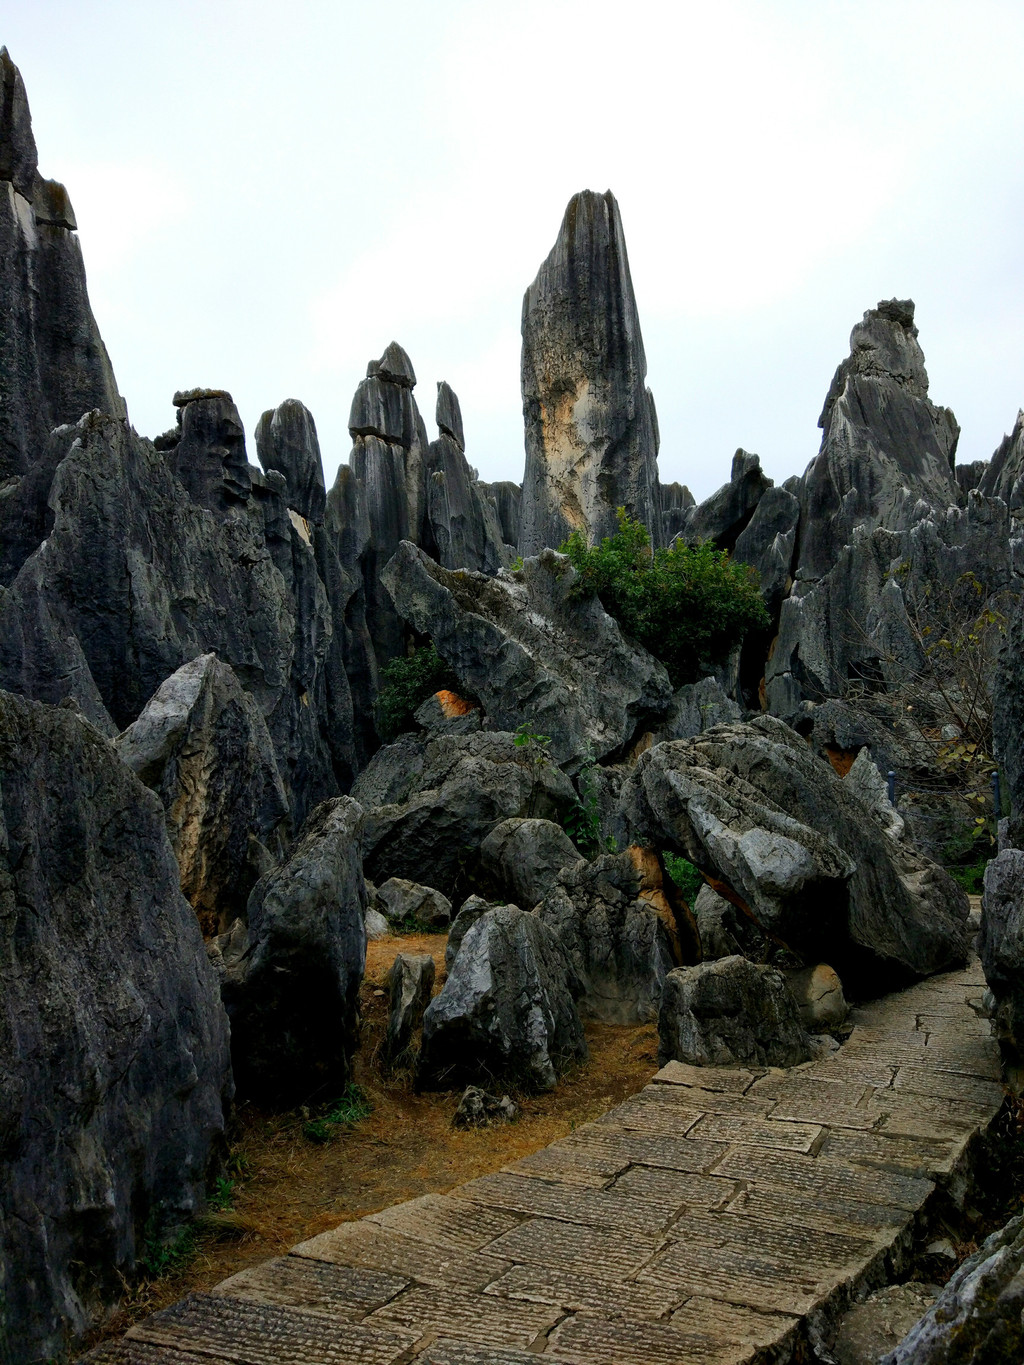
{"x":690,"y":606}
{"x":405,"y":684}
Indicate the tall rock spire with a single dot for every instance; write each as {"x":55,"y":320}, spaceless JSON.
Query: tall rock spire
{"x":591,"y":431}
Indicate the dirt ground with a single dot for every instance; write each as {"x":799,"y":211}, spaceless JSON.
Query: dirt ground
{"x":288,"y":1188}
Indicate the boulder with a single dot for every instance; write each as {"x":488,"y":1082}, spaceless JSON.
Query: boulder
{"x":718,"y":923}
{"x":114,"y":1064}
{"x":530,"y":652}
{"x":478,"y":1109}
{"x":621,"y":948}
{"x":730,"y":1013}
{"x":377,"y":925}
{"x":775,"y":829}
{"x":818,"y":993}
{"x":286,"y":440}
{"x":448,"y":802}
{"x":400,"y":900}
{"x":1001,"y":949}
{"x":978,"y":1319}
{"x":410,"y":983}
{"x":523,"y":858}
{"x":202,"y":745}
{"x":469,"y":912}
{"x":293,"y":1004}
{"x":507,"y":1011}
{"x":696,"y":707}
{"x":591,"y":429}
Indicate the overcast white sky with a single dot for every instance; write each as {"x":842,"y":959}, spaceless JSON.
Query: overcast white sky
{"x":267,"y":194}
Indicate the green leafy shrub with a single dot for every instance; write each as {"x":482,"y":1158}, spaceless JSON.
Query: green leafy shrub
{"x":405,"y":684}
{"x":689,"y":606}
{"x":165,"y":1253}
{"x":685,"y":876}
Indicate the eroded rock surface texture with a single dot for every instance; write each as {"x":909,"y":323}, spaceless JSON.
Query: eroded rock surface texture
{"x":114,"y":1064}
{"x":731,"y":1012}
{"x":591,"y":430}
{"x":759,"y":814}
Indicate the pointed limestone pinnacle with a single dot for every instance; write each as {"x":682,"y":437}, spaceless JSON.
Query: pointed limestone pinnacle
{"x":18,"y":158}
{"x":591,"y":442}
{"x":449,"y":414}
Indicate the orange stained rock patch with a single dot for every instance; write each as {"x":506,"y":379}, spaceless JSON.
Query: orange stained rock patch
{"x":452,"y":704}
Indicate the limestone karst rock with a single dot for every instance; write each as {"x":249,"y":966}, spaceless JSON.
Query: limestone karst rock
{"x":461,"y":527}
{"x":293,"y":995}
{"x":410,"y":982}
{"x":53,"y":362}
{"x":507,"y":1011}
{"x":730,"y":1012}
{"x":621,"y":948}
{"x":286,"y":440}
{"x":202,"y":745}
{"x":136,"y":577}
{"x":1001,"y":949}
{"x":772,"y":825}
{"x":1003,"y":476}
{"x":591,"y":430}
{"x":401,"y":899}
{"x":444,"y":798}
{"x":507,"y":498}
{"x":114,"y":1066}
{"x":523,"y":857}
{"x":529,"y":653}
{"x":724,"y":516}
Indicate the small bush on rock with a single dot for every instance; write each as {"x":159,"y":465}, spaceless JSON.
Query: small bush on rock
{"x":685,"y":876}
{"x":690,"y":606}
{"x":407,"y":683}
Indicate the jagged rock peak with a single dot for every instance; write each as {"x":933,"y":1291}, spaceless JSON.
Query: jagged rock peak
{"x":286,"y":441}
{"x":18,"y":158}
{"x":1003,"y":476}
{"x":591,"y":443}
{"x":883,"y":345}
{"x":394,"y":367}
{"x":449,"y":414}
{"x":185,"y":396}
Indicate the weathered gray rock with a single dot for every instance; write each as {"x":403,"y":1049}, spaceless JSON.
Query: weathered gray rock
{"x":768,"y":543}
{"x":978,"y":1319}
{"x":1008,"y":723}
{"x":730,"y":1013}
{"x":724,"y":516}
{"x":676,"y":502}
{"x":202,"y":745}
{"x":478,"y":1109}
{"x":751,"y":806}
{"x":294,"y":1004}
{"x":461,"y":526}
{"x":286,"y":440}
{"x":507,"y":498}
{"x":1003,"y":476}
{"x":114,"y":1066}
{"x":468,"y":913}
{"x":448,"y":800}
{"x":591,"y":432}
{"x":446,"y":713}
{"x":1001,"y":949}
{"x":871,"y":789}
{"x":818,"y":993}
{"x":209,"y":456}
{"x":401,"y":899}
{"x":53,"y":362}
{"x":136,"y":578}
{"x":507,"y":1011}
{"x":696,"y":707}
{"x":410,"y":982}
{"x":718,"y":925}
{"x":377,"y":925}
{"x":523,"y":858}
{"x":621,"y":947}
{"x":530,"y":654}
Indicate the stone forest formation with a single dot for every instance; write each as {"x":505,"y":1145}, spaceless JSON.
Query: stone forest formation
{"x":213,"y":788}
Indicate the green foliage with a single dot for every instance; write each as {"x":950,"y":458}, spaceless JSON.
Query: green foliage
{"x":689,"y":606}
{"x":971,"y":878}
{"x":223,"y":1194}
{"x":162,"y":1254}
{"x":405,"y":684}
{"x":517,"y":564}
{"x":343,"y":1112}
{"x":533,"y":742}
{"x":685,"y":876}
{"x":583,"y":822}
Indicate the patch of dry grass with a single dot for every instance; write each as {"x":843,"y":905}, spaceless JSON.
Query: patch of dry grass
{"x":291,"y":1189}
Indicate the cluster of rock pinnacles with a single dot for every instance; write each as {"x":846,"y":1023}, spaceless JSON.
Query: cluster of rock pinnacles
{"x":198,"y":821}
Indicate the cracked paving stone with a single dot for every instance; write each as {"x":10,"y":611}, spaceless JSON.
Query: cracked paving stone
{"x":652,"y":1116}
{"x":677,"y":1189}
{"x":570,"y":1203}
{"x":444,"y":1351}
{"x":735,"y":1323}
{"x":346,"y":1293}
{"x":735,"y":1080}
{"x":783,"y":1135}
{"x":593,"y":1341}
{"x":921,"y":1157}
{"x":826,"y":1213}
{"x":266,"y":1334}
{"x":825,"y":1177}
{"x":365,"y":1244}
{"x":444,"y":1221}
{"x":127,"y":1352}
{"x":487,"y":1319}
{"x":942,"y":1086}
{"x":579,"y":1292}
{"x":571,"y":1246}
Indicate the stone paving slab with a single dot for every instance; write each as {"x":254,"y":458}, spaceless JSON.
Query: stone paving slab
{"x":697,"y":1223}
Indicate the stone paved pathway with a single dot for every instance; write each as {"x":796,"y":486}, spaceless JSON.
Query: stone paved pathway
{"x":698,"y":1223}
